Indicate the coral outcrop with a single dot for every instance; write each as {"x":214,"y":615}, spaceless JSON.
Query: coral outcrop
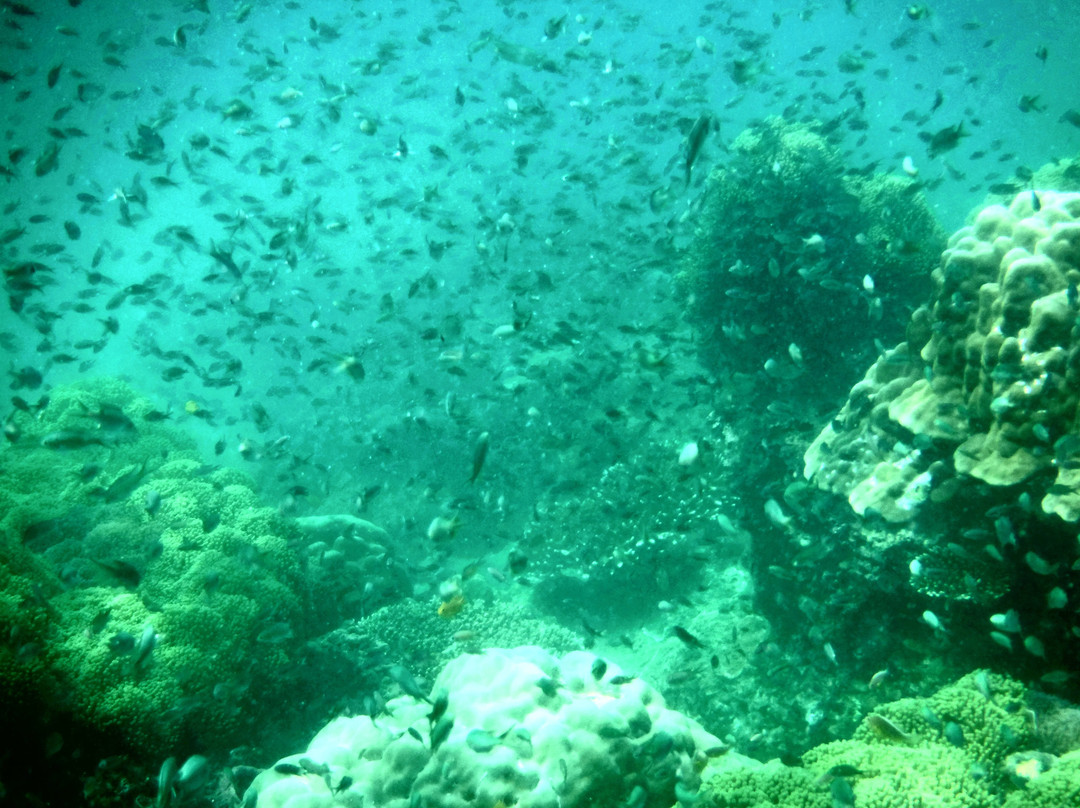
{"x":799,"y":261}
{"x":986,"y":385}
{"x":520,"y":727}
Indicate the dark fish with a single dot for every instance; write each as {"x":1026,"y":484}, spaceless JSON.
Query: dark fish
{"x":843,"y":795}
{"x":1070,"y":116}
{"x":695,"y":140}
{"x":441,"y":731}
{"x":954,"y":734}
{"x":122,"y":642}
{"x":943,"y":140}
{"x":687,"y":637}
{"x":27,"y":377}
{"x":73,"y":231}
{"x":110,"y":417}
{"x":599,"y":668}
{"x":1030,"y":103}
{"x":479,"y":455}
{"x":438,"y":707}
{"x":407,"y":683}
{"x":48,"y":159}
{"x":554,"y":26}
{"x":72,"y":439}
{"x":122,"y":571}
{"x":97,"y":625}
{"x":54,"y":75}
{"x":121,"y":488}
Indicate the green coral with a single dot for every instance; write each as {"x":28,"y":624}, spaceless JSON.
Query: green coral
{"x":1053,"y":789}
{"x":919,"y":763}
{"x":84,"y":563}
{"x":984,"y":387}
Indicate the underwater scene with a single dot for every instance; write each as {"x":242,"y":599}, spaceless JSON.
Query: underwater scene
{"x":506,"y":403}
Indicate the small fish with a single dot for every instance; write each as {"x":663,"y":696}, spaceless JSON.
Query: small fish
{"x":53,"y":75}
{"x":1041,"y":53}
{"x":843,"y":795}
{"x":954,"y":734}
{"x":933,"y":621}
{"x":1070,"y":116}
{"x":695,"y":140}
{"x":598,"y":669}
{"x":438,"y":707}
{"x":886,"y":729}
{"x":687,"y":637}
{"x":122,"y":642}
{"x":1038,"y":564}
{"x":48,"y":160}
{"x":479,"y":455}
{"x":481,"y":741}
{"x":407,"y":683}
{"x":943,"y":140}
{"x":554,"y":26}
{"x":1030,"y":103}
{"x":122,"y":487}
{"x":145,"y":647}
{"x":122,"y":571}
{"x":440,"y":732}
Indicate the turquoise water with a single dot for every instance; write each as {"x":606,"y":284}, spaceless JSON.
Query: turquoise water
{"x":417,"y":264}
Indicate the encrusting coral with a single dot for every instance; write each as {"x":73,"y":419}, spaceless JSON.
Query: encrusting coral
{"x":145,"y":591}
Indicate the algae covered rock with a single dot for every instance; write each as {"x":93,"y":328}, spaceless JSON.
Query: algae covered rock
{"x":801,"y":262}
{"x":985,"y":388}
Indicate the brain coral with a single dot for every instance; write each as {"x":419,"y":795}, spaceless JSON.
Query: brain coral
{"x":987,"y":383}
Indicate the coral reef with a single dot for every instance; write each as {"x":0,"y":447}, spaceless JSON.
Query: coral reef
{"x":506,"y":727}
{"x":146,"y":594}
{"x":951,"y":750}
{"x":983,"y":387}
{"x":788,"y":242}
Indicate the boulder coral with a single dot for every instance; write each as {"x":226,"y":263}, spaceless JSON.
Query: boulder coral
{"x":505,"y":727}
{"x":985,"y":387}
